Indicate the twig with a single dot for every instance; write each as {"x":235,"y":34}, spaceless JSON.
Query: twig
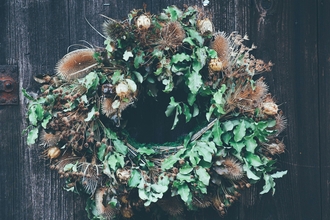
{"x":201,"y":132}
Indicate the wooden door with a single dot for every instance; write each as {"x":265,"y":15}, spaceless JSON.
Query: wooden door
{"x":295,"y":35}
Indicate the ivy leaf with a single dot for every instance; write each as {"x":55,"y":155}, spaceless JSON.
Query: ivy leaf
{"x":101,"y":151}
{"x":226,"y":137}
{"x":216,"y":133}
{"x":116,"y":76}
{"x":239,"y":131}
{"x":28,"y":96}
{"x":194,"y":82}
{"x":191,"y":98}
{"x":184,"y":192}
{"x":116,"y":159}
{"x":228,"y":125}
{"x":138,"y":60}
{"x":171,"y":160}
{"x":249,"y":173}
{"x":180,"y":57}
{"x":174,"y":12}
{"x":184,"y":178}
{"x":186,"y":112}
{"x":32,"y":136}
{"x":269,"y":184}
{"x":171,"y":106}
{"x":189,"y":40}
{"x":46,"y":121}
{"x":186,"y":169}
{"x":138,"y":76}
{"x":212,"y":53}
{"x":250,"y":144}
{"x":279,"y":174}
{"x":253,"y":159}
{"x":145,"y":150}
{"x":178,"y":111}
{"x":203,"y":175}
{"x":120,"y":146}
{"x":195,"y":35}
{"x":91,"y":81}
{"x":238,"y":146}
{"x":201,"y":54}
{"x":90,"y":114}
{"x":195,"y":111}
{"x":127,"y":55}
{"x":135,"y":179}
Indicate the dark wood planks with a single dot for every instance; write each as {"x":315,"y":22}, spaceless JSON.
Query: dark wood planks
{"x":324,"y":103}
{"x":293,"y":34}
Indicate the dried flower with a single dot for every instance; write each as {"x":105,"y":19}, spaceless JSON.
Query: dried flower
{"x":53,"y":152}
{"x":143,"y":22}
{"x":221,"y":45}
{"x":49,"y":139}
{"x":172,"y":35}
{"x":76,"y":64}
{"x":205,"y":25}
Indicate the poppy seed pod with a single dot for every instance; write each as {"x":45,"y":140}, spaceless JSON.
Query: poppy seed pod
{"x":143,"y":22}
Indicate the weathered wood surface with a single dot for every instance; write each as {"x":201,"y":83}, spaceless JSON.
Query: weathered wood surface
{"x":295,"y":35}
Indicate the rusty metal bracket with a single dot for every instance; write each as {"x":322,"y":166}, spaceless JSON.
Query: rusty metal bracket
{"x":8,"y":85}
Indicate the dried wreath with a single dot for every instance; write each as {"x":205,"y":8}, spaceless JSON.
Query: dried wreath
{"x":78,"y":113}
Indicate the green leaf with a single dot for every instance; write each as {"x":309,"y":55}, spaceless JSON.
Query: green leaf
{"x":116,"y":160}
{"x":228,"y":125}
{"x":101,"y":151}
{"x":212,"y":53}
{"x":171,"y":160}
{"x":202,"y":56}
{"x":189,"y":40}
{"x":174,"y":12}
{"x":28,"y":96}
{"x":171,"y":107}
{"x":191,"y":98}
{"x":91,"y":81}
{"x":145,"y":150}
{"x":194,"y":82}
{"x":195,"y":35}
{"x":238,"y":146}
{"x":186,"y":112}
{"x":249,"y":173}
{"x":203,"y":175}
{"x":32,"y":136}
{"x":239,"y":131}
{"x":253,"y":159}
{"x":226,"y":137}
{"x":210,"y":112}
{"x":180,"y":57}
{"x":138,"y":76}
{"x":127,"y":55}
{"x":184,"y":177}
{"x":176,"y":117}
{"x":184,"y":192}
{"x":138,"y":60}
{"x":90,"y":114}
{"x":250,"y":144}
{"x":195,"y":111}
{"x":186,"y":169}
{"x":120,"y":147}
{"x":279,"y":174}
{"x":269,"y":184}
{"x":216,"y":133}
{"x":135,"y":179}
{"x":116,"y":76}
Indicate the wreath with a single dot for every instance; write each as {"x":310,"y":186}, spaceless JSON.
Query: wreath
{"x":78,"y":117}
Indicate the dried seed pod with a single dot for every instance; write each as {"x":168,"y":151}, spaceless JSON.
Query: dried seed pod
{"x":221,"y":45}
{"x":172,"y":35}
{"x":205,"y":25}
{"x":143,"y":22}
{"x":49,"y":139}
{"x":76,"y":64}
{"x":269,"y":108}
{"x":216,"y":65}
{"x":53,"y":152}
{"x":123,"y":175}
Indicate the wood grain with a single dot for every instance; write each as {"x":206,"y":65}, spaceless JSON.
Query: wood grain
{"x":34,"y":34}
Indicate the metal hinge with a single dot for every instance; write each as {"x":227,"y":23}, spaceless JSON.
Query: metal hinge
{"x":8,"y":85}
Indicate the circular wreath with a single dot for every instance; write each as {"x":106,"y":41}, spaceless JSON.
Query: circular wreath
{"x":78,"y":116}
